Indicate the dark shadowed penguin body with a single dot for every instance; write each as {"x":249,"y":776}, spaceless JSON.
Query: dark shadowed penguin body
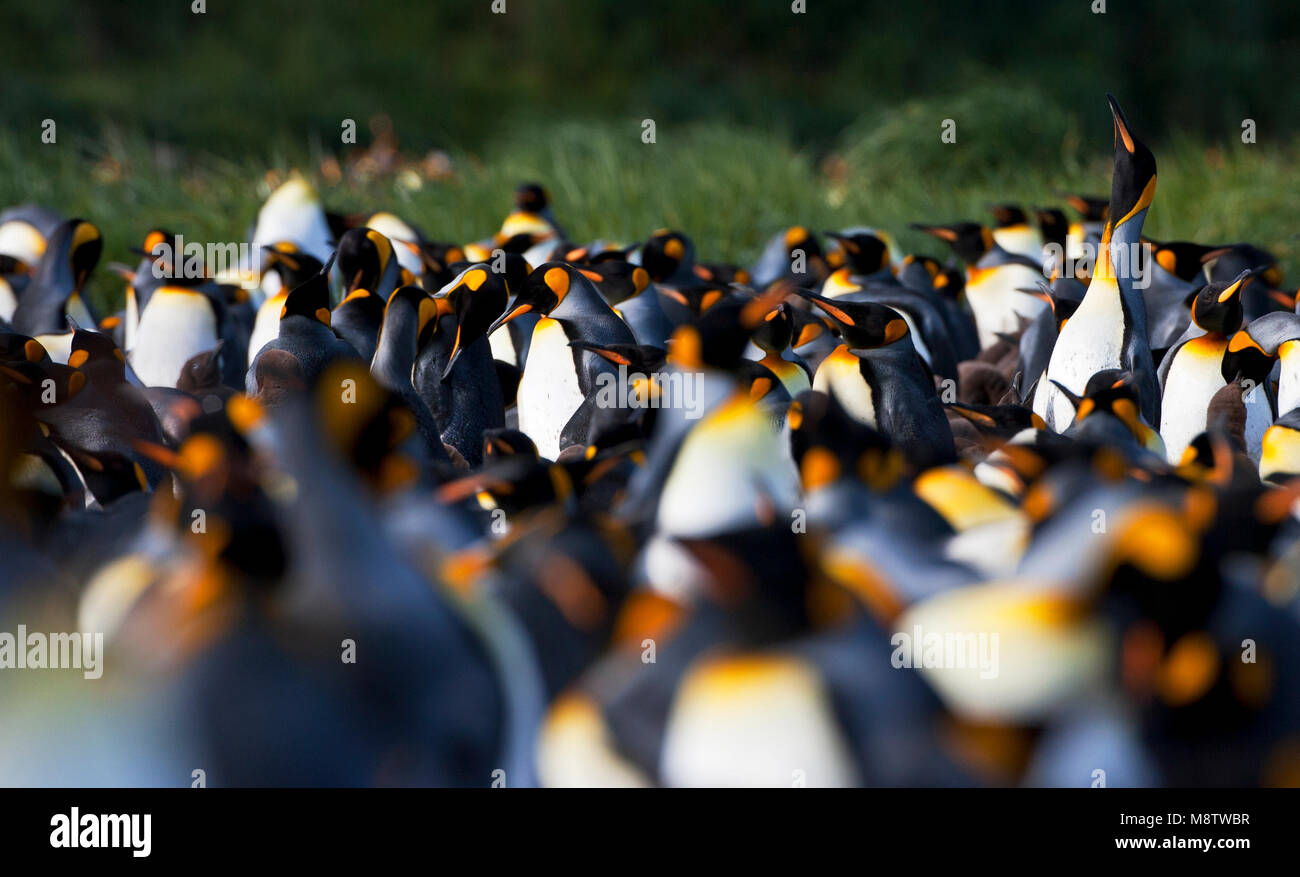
{"x":408,"y":311}
{"x":454,"y":372}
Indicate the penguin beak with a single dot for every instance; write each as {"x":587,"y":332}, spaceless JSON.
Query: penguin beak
{"x":1121,"y":125}
{"x":942,"y":232}
{"x":456,"y":351}
{"x":1243,"y":279}
{"x":500,"y":321}
{"x":826,"y":305}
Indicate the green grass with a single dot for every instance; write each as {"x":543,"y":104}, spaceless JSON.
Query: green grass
{"x":728,"y":187}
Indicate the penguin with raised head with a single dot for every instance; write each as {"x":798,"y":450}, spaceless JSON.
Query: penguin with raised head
{"x":879,"y":378}
{"x":1109,"y":328}
{"x":557,"y":378}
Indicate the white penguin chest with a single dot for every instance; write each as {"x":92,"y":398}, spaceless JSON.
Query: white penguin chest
{"x":842,"y":373}
{"x":549,"y":392}
{"x":1194,"y":376}
{"x":174,"y":327}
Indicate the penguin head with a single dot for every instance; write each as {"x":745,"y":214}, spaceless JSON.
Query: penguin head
{"x":1180,"y":258}
{"x":75,"y":246}
{"x":774,"y":333}
{"x":1217,"y":307}
{"x":502,"y":442}
{"x":291,"y":264}
{"x":1052,"y":223}
{"x":477,"y":297}
{"x":96,"y":350}
{"x":363,"y":258}
{"x":16,"y":347}
{"x":1133,"y":185}
{"x":864,"y":325}
{"x":437,"y":258}
{"x":1110,"y":391}
{"x":828,"y":443}
{"x":969,"y":240}
{"x":542,"y":292}
{"x":665,"y":252}
{"x":310,"y":299}
{"x":864,"y":252}
{"x":718,"y":339}
{"x":922,"y":273}
{"x":1008,"y":215}
{"x":531,"y":198}
{"x":617,"y":280}
{"x":1090,"y":208}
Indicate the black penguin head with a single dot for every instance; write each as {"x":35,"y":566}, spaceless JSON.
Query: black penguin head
{"x":77,"y":245}
{"x":292,"y":264}
{"x":1217,"y":307}
{"x":864,"y":253}
{"x":1180,"y":258}
{"x":969,"y":240}
{"x":502,"y":442}
{"x":864,"y":325}
{"x":409,"y":303}
{"x":541,"y":293}
{"x":1133,"y":185}
{"x":16,"y":347}
{"x":1008,"y":215}
{"x":311,"y":299}
{"x":1090,"y":208}
{"x":1112,"y":391}
{"x":921,"y":273}
{"x":531,"y":198}
{"x":774,"y":332}
{"x":827,"y":443}
{"x":1052,"y":223}
{"x":617,"y":280}
{"x":718,"y":338}
{"x":665,"y":252}
{"x":478,"y":298}
{"x":95,"y":348}
{"x":363,"y":257}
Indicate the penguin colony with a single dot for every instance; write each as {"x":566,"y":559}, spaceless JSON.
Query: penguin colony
{"x":530,"y":511}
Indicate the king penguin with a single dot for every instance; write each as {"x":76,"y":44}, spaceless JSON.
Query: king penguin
{"x":1193,"y":371}
{"x":995,"y":279}
{"x":55,"y":290}
{"x":879,"y":378}
{"x":1109,"y":328}
{"x":557,"y":377}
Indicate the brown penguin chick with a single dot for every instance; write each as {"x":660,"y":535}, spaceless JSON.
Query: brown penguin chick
{"x":201,"y":376}
{"x":279,"y":376}
{"x":980,"y":383}
{"x":1227,"y":411}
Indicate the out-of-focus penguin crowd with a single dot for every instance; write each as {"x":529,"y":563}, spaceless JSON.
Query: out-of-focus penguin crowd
{"x":532,"y":511}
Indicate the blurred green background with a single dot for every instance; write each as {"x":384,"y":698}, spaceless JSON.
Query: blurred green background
{"x":764,"y":117}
